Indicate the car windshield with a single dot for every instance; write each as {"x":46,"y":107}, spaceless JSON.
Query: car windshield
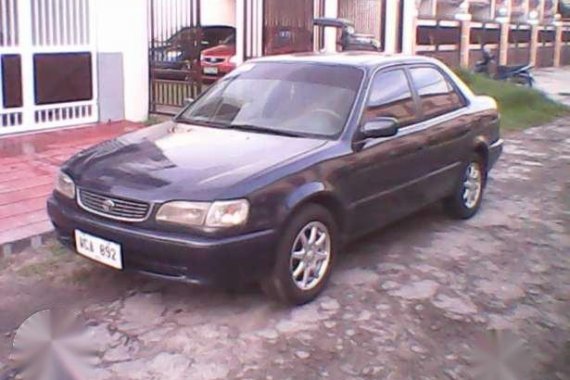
{"x":283,"y":98}
{"x":230,"y":40}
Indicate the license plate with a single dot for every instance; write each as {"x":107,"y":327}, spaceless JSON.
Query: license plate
{"x":101,"y":250}
{"x":211,"y":70}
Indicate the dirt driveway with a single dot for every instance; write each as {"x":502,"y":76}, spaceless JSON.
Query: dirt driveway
{"x":411,"y":302}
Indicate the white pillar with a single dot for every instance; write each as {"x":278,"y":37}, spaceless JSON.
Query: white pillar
{"x":331,"y":10}
{"x":240,"y":31}
{"x":391,"y":27}
{"x":27,"y":57}
{"x":410,"y":27}
{"x":122,"y":31}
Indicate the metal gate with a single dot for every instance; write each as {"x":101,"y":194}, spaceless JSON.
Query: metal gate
{"x":48,"y":67}
{"x":175,"y":43}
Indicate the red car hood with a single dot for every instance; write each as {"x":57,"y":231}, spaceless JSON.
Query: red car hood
{"x":220,"y":51}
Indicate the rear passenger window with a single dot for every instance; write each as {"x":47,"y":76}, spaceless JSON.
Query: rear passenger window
{"x":391,"y":96}
{"x":437,"y":94}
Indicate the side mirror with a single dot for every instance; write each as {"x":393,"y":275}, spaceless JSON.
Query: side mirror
{"x":380,"y":127}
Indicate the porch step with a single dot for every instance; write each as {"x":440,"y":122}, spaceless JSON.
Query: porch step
{"x":28,"y":165}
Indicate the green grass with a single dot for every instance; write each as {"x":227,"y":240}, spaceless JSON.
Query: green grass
{"x":520,"y":107}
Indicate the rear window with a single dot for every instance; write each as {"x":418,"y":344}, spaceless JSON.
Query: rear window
{"x":437,"y":94}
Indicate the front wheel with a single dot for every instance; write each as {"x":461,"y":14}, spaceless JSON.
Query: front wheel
{"x":305,"y":257}
{"x":468,"y":194}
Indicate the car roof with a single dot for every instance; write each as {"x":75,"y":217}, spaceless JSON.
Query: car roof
{"x":354,"y":58}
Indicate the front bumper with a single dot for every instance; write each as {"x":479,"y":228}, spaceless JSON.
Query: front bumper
{"x":495,"y":151}
{"x":174,"y":256}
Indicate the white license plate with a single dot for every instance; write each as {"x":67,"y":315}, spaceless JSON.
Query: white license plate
{"x":211,"y":70}
{"x":101,"y":250}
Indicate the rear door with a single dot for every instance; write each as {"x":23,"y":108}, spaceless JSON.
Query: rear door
{"x":446,"y":128}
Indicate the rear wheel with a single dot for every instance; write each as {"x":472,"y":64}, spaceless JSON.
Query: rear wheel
{"x":305,"y":257}
{"x":468,"y":194}
{"x":522,"y":80}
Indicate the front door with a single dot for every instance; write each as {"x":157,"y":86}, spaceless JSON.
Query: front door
{"x":384,"y":181}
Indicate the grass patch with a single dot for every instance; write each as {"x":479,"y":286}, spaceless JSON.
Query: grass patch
{"x":153,"y":120}
{"x":520,"y":107}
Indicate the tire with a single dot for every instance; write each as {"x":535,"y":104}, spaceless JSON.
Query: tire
{"x":281,"y":284}
{"x":464,"y":205}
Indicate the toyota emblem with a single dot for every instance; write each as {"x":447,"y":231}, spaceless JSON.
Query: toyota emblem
{"x":108,"y":205}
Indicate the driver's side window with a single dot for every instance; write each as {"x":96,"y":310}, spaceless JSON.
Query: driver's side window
{"x":391,"y":96}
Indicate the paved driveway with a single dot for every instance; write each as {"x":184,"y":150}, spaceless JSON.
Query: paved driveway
{"x":555,"y":82}
{"x":412,"y":302}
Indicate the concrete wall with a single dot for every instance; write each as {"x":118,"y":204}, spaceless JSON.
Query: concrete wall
{"x":218,"y":12}
{"x":122,"y":46}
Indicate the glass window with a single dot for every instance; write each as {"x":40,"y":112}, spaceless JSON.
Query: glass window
{"x":391,"y":96}
{"x":436,"y":93}
{"x":293,"y":98}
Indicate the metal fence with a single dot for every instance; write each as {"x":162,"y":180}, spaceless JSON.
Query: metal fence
{"x":175,"y":43}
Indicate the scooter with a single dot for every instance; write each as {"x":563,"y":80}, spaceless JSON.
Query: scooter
{"x":519,"y":74}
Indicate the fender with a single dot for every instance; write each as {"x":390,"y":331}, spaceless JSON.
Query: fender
{"x":480,"y":143}
{"x":305,"y":192}
{"x":321,"y":192}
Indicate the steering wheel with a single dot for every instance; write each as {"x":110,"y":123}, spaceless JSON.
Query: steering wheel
{"x":329,"y":113}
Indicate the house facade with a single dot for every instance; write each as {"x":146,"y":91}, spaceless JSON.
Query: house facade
{"x":71,"y":62}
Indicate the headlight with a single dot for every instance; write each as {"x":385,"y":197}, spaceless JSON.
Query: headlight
{"x":228,"y":214}
{"x":185,"y":213}
{"x":234,"y":60}
{"x":217,"y":214}
{"x":65,"y":185}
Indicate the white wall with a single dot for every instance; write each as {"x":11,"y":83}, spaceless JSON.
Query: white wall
{"x":218,"y":12}
{"x":122,"y":28}
{"x":331,"y":10}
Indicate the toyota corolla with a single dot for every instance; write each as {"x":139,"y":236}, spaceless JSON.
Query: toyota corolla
{"x":267,"y":175}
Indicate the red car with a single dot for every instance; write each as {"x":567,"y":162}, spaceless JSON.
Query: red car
{"x":218,"y":60}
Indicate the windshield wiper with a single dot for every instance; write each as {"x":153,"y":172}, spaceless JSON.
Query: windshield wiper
{"x":257,"y":128}
{"x":204,"y":123}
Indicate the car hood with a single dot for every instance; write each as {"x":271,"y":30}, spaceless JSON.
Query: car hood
{"x":174,"y":161}
{"x":220,"y":51}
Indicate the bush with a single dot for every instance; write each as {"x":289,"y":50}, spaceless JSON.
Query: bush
{"x":520,"y":107}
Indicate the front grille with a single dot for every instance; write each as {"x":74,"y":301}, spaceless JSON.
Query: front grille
{"x":214,"y":60}
{"x":113,"y":208}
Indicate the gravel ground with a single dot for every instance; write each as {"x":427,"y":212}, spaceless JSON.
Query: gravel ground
{"x":418,"y":300}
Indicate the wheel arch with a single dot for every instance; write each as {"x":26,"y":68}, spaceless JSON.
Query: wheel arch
{"x":481,"y":148}
{"x":319,"y":194}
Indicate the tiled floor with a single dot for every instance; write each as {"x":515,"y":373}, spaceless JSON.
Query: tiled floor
{"x":27,"y":167}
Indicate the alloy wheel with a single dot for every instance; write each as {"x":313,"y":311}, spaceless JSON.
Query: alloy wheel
{"x":473,"y":185}
{"x":310,"y":255}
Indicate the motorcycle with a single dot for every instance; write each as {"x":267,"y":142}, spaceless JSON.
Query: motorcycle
{"x":519,"y":74}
